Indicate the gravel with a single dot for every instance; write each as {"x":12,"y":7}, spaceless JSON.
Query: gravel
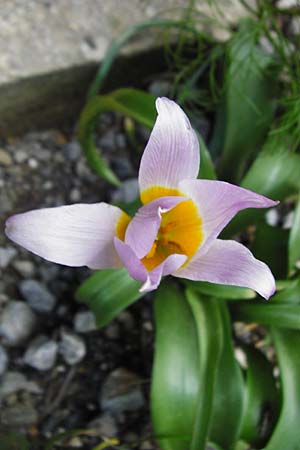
{"x":72,"y":347}
{"x":41,"y":353}
{"x":7,"y":254}
{"x":17,"y":323}
{"x":121,"y":391}
{"x":84,"y":322}
{"x":37,"y":296}
{"x":3,"y":360}
{"x":16,"y":381}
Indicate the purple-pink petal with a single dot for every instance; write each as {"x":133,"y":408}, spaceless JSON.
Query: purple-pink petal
{"x":172,"y":153}
{"x":75,"y":235}
{"x":228,"y":262}
{"x":143,"y":228}
{"x":132,"y":263}
{"x":170,"y":265}
{"x":218,"y":202}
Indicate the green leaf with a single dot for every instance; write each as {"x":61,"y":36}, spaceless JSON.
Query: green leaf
{"x":261,"y":404}
{"x":229,"y":391}
{"x":175,"y":377}
{"x":271,"y":246}
{"x":279,"y":315}
{"x":287,"y":431}
{"x":294,"y":241}
{"x":208,"y":321}
{"x":221,"y":290}
{"x":134,"y":103}
{"x":13,"y":441}
{"x":108,"y":292}
{"x":275,"y":174}
{"x":207,"y":170}
{"x":248,"y":104}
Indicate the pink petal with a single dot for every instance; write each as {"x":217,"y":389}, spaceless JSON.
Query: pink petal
{"x":218,"y":202}
{"x":132,"y":263}
{"x":75,"y":235}
{"x":228,"y":262}
{"x":167,"y":267}
{"x":143,"y":228}
{"x":172,"y":152}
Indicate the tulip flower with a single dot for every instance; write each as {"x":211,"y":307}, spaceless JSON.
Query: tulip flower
{"x":176,"y":230}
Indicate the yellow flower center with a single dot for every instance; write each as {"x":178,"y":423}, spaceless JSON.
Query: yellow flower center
{"x":180,"y":232}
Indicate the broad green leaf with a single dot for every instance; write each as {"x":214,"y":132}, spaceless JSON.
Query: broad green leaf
{"x":108,"y":292}
{"x":271,"y":246}
{"x":275,"y":174}
{"x":175,"y":377}
{"x":287,"y":431}
{"x":290,"y":293}
{"x":261,"y":403}
{"x":134,"y":103}
{"x":229,"y":391}
{"x":221,"y":290}
{"x":248,"y":104}
{"x":279,"y":315}
{"x":294,"y":241}
{"x":207,"y":170}
{"x":207,"y":316}
{"x":13,"y":441}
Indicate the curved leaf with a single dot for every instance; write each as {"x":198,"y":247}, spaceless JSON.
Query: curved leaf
{"x":134,"y":103}
{"x":208,"y":321}
{"x":287,"y":432}
{"x":261,"y":405}
{"x":175,"y":377}
{"x":108,"y":292}
{"x":221,"y":290}
{"x":229,"y":391}
{"x":248,"y":104}
{"x":282,"y":180}
{"x":294,"y":241}
{"x":282,"y":316}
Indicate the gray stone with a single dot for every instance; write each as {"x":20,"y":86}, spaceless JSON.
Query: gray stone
{"x":41,"y":353}
{"x":121,"y":392}
{"x":84,"y":322}
{"x":104,"y":425}
{"x":128,"y":192}
{"x":3,"y":360}
{"x":6,"y":256}
{"x":72,"y":151}
{"x":37,"y":295}
{"x":72,"y":347}
{"x":16,"y":381}
{"x":24,"y":268}
{"x":18,"y":415}
{"x":17,"y":322}
{"x":5,"y":158}
{"x":20,"y":156}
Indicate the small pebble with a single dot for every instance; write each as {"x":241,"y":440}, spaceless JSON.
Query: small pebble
{"x":121,"y":392}
{"x":6,"y":256}
{"x":272,"y":217}
{"x":16,"y":323}
{"x":24,"y":268}
{"x":72,"y":347}
{"x":16,"y":381}
{"x":75,"y":195}
{"x":37,"y":295}
{"x":41,"y":353}
{"x":3,"y":360}
{"x":288,"y":220}
{"x":72,"y":151}
{"x":33,"y":163}
{"x":84,"y":322}
{"x":5,"y":158}
{"x":128,"y":192}
{"x":20,"y":156}
{"x":104,"y":425}
{"x":18,"y":415}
